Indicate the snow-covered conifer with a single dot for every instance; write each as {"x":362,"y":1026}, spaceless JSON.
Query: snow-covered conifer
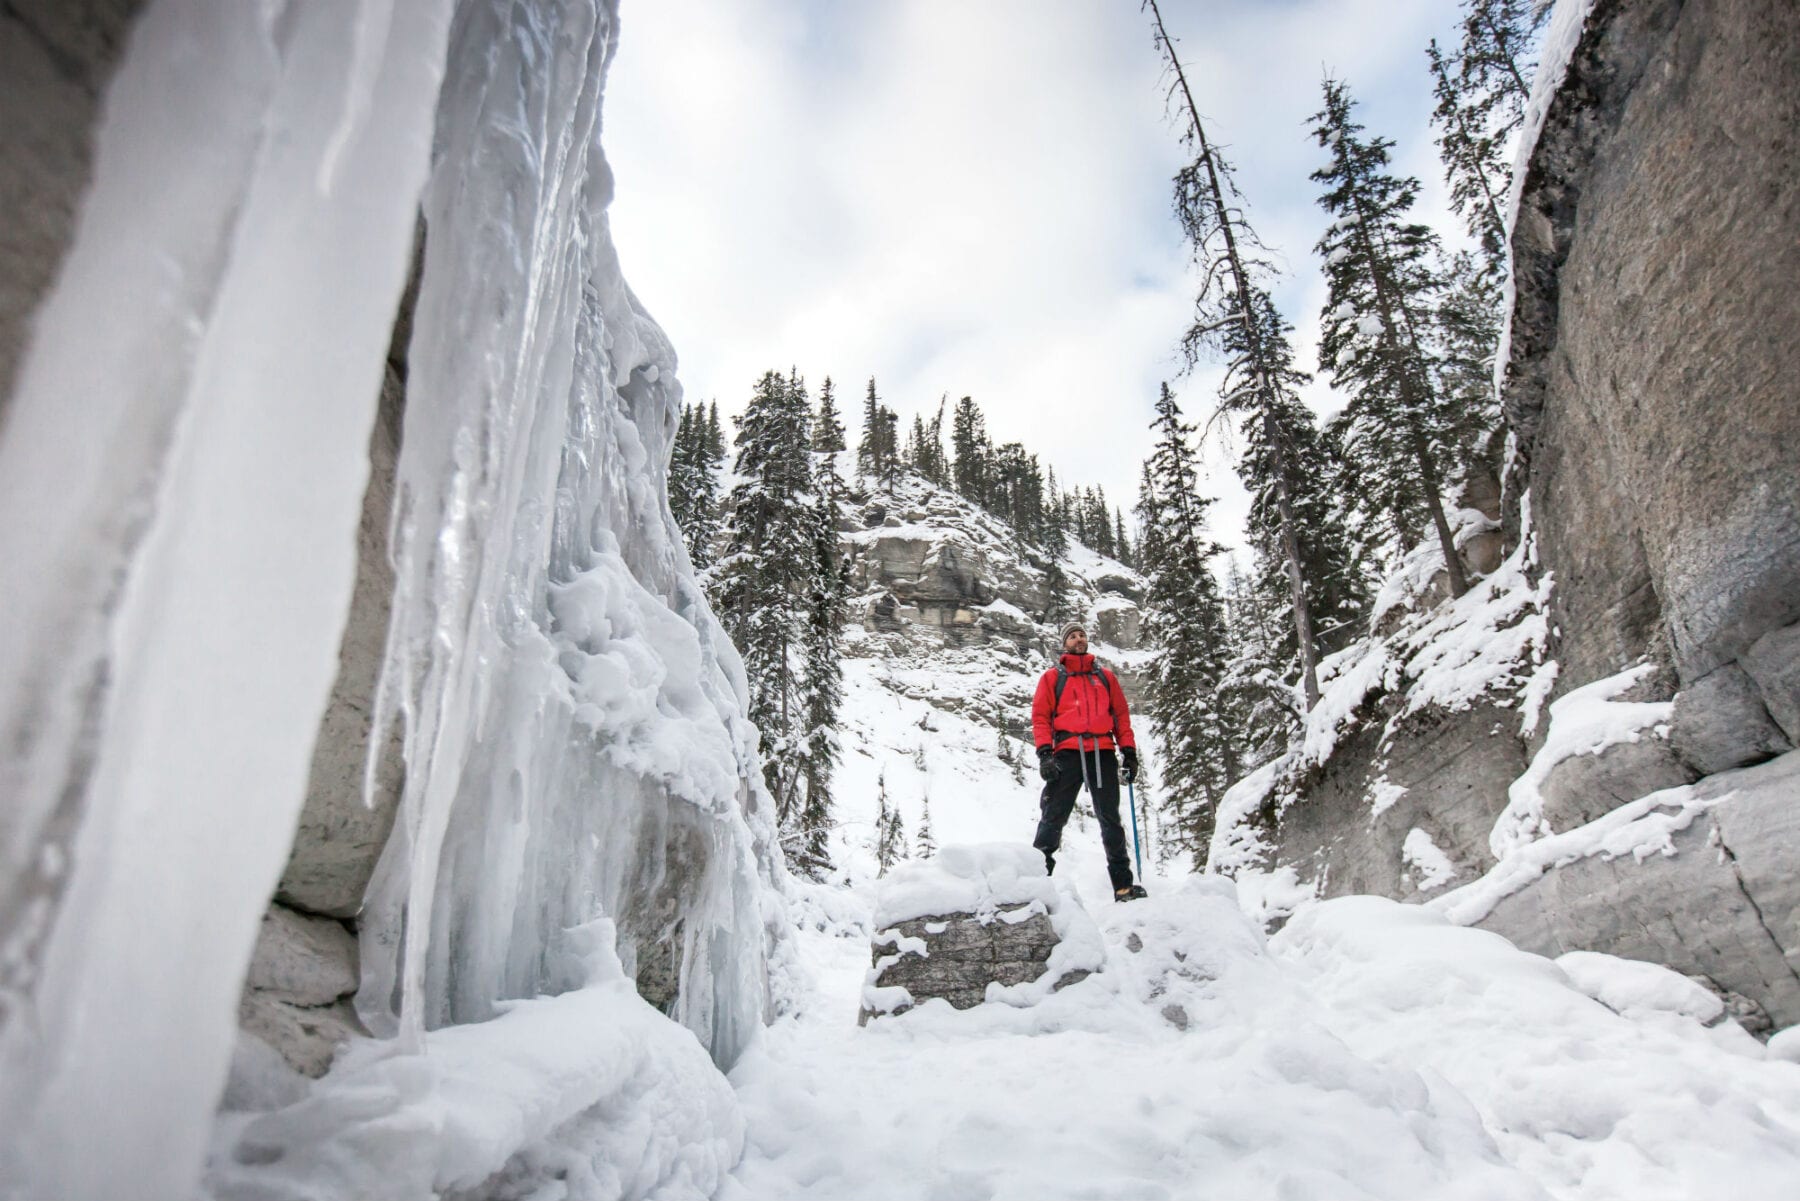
{"x":890,"y":830}
{"x":1185,"y":624}
{"x":765,"y":576}
{"x":924,"y":842}
{"x":1399,"y":428}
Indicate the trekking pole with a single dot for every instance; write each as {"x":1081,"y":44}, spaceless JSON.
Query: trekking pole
{"x":1137,"y":851}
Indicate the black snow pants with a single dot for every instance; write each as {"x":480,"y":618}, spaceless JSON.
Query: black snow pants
{"x":1058,"y":801}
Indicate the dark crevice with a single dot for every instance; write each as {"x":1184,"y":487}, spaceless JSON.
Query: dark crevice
{"x":1738,"y":875}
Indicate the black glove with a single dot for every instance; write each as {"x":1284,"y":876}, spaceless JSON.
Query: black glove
{"x":1047,"y":765}
{"x":1128,"y":772}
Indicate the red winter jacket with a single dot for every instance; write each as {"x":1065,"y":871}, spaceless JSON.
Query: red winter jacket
{"x":1092,"y":703}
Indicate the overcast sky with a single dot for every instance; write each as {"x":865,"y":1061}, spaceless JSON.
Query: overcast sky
{"x":972,"y":196}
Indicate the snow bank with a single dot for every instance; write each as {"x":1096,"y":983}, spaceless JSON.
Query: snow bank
{"x":1192,"y":1067}
{"x":980,"y":879}
{"x":1584,"y":722}
{"x":1589,"y":1103}
{"x":1632,"y":988}
{"x":592,"y":1093}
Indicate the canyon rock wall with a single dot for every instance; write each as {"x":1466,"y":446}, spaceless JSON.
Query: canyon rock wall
{"x":1652,"y":402}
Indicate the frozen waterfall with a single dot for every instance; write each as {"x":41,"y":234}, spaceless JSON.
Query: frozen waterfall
{"x":181,"y":469}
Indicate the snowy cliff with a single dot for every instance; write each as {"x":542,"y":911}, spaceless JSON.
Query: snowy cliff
{"x":1592,"y":749}
{"x":182,"y":473}
{"x":946,"y":639}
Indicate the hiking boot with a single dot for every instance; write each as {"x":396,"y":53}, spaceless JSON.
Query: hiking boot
{"x":1131,"y":893}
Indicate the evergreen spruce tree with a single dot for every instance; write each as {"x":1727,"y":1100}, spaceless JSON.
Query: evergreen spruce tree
{"x":1481,"y":91}
{"x":968,"y":439}
{"x":764,"y":586}
{"x":694,"y":486}
{"x":1009,"y":755}
{"x":1256,"y":392}
{"x":924,"y":842}
{"x":891,"y":463}
{"x":937,"y":468}
{"x":1399,"y":428}
{"x":827,"y":588}
{"x":868,"y":449}
{"x":715,"y":437}
{"x":1056,"y":549}
{"x":1467,"y":337}
{"x":682,"y":469}
{"x":827,"y":428}
{"x":1186,"y":625}
{"x":1281,"y":440}
{"x":1121,"y":544}
{"x":890,"y":830}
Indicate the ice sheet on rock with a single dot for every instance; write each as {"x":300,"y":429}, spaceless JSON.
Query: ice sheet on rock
{"x":181,"y":478}
{"x":576,"y":745}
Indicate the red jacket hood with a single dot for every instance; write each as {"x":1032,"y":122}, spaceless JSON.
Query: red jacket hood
{"x":1078,"y":663}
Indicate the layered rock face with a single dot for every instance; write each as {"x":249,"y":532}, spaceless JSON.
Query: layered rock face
{"x":944,"y":595}
{"x":1651,"y":396}
{"x":1652,"y":393}
{"x":955,"y":956}
{"x":1651,"y":386}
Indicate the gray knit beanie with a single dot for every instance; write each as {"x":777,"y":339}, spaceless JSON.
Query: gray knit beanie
{"x":1070,"y":629}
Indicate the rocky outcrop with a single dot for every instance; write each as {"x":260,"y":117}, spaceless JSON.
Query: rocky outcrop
{"x":956,"y":956}
{"x":297,"y":993}
{"x":974,"y":924}
{"x":56,"y":57}
{"x":1721,"y":901}
{"x":1443,"y":774}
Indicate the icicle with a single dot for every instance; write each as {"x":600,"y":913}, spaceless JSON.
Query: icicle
{"x":180,"y":486}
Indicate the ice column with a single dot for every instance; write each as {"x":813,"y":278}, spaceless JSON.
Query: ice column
{"x":575,"y":740}
{"x":180,"y":480}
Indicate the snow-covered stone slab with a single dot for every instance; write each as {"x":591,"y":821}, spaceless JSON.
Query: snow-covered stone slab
{"x":974,"y":924}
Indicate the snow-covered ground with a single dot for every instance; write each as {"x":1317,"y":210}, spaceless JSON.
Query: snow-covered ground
{"x":1370,"y":1049}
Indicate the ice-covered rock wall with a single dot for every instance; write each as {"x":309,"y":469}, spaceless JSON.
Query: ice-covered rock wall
{"x":183,"y":473}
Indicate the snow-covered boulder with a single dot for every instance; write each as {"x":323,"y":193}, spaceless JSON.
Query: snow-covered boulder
{"x":974,"y":924}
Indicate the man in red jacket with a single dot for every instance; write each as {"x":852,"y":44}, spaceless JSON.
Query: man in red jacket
{"x":1076,"y":733}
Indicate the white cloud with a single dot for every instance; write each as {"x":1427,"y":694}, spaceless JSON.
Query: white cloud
{"x":972,"y":197}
